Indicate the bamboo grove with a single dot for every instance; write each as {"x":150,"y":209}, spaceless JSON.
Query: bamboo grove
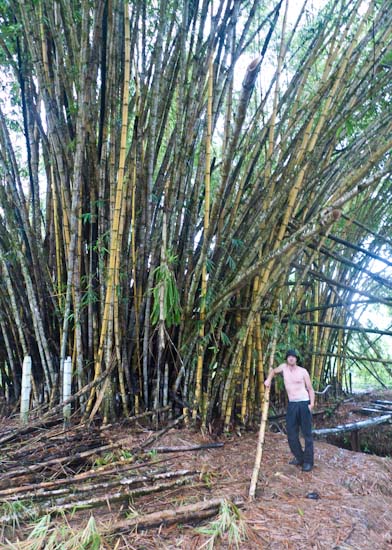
{"x":161,"y":218}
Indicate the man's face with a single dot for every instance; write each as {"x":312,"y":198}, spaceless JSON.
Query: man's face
{"x":291,"y":360}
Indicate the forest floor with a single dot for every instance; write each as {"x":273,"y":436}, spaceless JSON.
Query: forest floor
{"x":352,"y":512}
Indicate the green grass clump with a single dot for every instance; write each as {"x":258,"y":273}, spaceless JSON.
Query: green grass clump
{"x":228,"y":525}
{"x":48,"y":536}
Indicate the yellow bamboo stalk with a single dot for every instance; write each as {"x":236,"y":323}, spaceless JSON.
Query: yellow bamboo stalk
{"x":252,"y":401}
{"x":117,"y":336}
{"x":229,"y":391}
{"x":263,"y":423}
{"x":263,"y":282}
{"x":207,"y":180}
{"x":310,"y":138}
{"x":135,"y":290}
{"x":117,"y":282}
{"x":260,"y":362}
{"x":258,"y":343}
{"x":115,"y":233}
{"x":254,"y":336}
{"x":228,"y":394}
{"x":57,"y":239}
{"x":66,"y":230}
{"x":233,"y":377}
{"x":260,"y":443}
{"x":246,"y":377}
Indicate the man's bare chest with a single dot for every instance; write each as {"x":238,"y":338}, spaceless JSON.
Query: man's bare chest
{"x":293,"y":378}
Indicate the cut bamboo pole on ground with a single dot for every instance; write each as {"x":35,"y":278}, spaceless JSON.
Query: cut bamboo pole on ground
{"x":369,"y":411}
{"x":67,"y":493}
{"x":354,"y":425}
{"x":187,"y":448}
{"x":21,"y":471}
{"x":188,"y":513}
{"x":93,"y":502}
{"x":118,"y":496}
{"x":103,"y":472}
{"x":157,"y":435}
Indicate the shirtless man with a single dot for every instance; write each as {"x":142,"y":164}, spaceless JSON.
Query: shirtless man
{"x":301,"y":402}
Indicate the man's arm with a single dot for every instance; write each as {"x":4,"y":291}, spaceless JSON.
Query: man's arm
{"x":310,"y":389}
{"x":272,"y":373}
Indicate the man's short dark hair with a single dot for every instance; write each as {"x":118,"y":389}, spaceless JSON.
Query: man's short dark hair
{"x":293,"y":353}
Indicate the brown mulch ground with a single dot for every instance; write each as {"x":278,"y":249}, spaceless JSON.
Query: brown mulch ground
{"x":353,"y":512}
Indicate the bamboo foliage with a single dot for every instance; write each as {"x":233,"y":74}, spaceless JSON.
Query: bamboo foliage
{"x":160,"y":205}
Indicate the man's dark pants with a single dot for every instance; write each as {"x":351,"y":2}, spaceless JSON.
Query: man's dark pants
{"x":299,"y":416}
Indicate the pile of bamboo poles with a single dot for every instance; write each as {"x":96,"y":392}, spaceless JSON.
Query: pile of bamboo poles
{"x":54,"y":471}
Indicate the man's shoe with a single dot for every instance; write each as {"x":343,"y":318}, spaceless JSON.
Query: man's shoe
{"x":307,"y":467}
{"x":295,"y":462}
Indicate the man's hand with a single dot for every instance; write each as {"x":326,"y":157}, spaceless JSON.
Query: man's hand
{"x":267,"y":383}
{"x":311,"y":407}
